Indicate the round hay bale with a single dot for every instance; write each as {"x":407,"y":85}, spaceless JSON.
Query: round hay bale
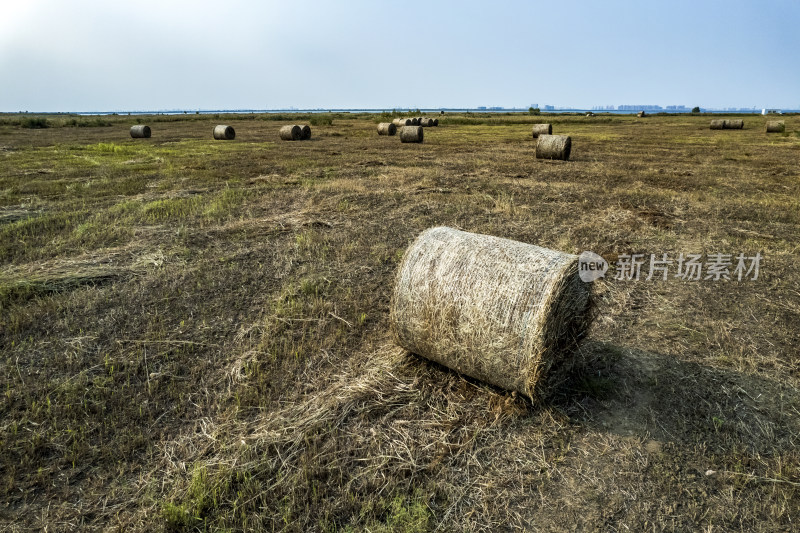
{"x":773,"y":126}
{"x":387,"y":128}
{"x":411,"y":134}
{"x":436,"y":121}
{"x":140,"y":131}
{"x":542,"y":129}
{"x":502,"y":311}
{"x":414,"y":121}
{"x":641,"y":114}
{"x":400,"y":122}
{"x":553,"y":147}
{"x":292,"y":132}
{"x":224,"y":133}
{"x":305,"y":132}
{"x":733,"y":124}
{"x":717,"y":124}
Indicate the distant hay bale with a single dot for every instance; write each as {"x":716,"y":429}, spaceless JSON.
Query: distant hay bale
{"x":717,"y":124}
{"x":426,"y":122}
{"x":412,"y":134}
{"x":387,"y":128}
{"x":734,"y":124}
{"x":641,"y":114}
{"x":140,"y":131}
{"x":414,"y":121}
{"x":224,"y":133}
{"x":435,"y":122}
{"x":305,"y":132}
{"x":542,"y":129}
{"x":773,"y":126}
{"x":502,"y":311}
{"x":400,"y":122}
{"x":553,"y":147}
{"x":292,"y":132}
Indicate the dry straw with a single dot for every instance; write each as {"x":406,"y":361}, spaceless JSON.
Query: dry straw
{"x":387,"y":128}
{"x":776,"y":126}
{"x":140,"y":131}
{"x":411,"y":134}
{"x":224,"y":133}
{"x":305,"y":132}
{"x":553,"y":147}
{"x":735,"y":124}
{"x":502,"y":311}
{"x":291,"y":133}
{"x":542,"y":129}
{"x":717,"y":124}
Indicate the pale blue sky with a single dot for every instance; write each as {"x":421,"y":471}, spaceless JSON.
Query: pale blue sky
{"x":149,"y":55}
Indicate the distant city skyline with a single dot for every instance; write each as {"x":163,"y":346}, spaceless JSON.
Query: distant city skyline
{"x":245,"y":54}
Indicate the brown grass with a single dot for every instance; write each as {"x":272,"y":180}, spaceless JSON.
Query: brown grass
{"x":195,"y":335}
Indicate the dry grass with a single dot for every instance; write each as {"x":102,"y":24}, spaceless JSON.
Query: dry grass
{"x":195,"y":334}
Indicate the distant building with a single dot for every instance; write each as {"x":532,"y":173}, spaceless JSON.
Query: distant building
{"x":770,"y":111}
{"x":549,"y":108}
{"x":482,"y":107}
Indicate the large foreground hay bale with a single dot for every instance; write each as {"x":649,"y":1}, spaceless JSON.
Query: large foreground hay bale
{"x":717,"y":124}
{"x":734,"y":124}
{"x":411,"y":134}
{"x":542,"y":129}
{"x":305,"y":132}
{"x":224,"y":133}
{"x":498,"y":310}
{"x":292,"y":132}
{"x":140,"y":131}
{"x":773,"y":126}
{"x":553,"y":147}
{"x":387,"y":128}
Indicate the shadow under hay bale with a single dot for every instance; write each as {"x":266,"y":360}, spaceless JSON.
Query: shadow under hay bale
{"x":553,"y":147}
{"x":224,"y":133}
{"x":542,"y":129}
{"x":412,"y":134}
{"x":775,"y":126}
{"x":305,"y":132}
{"x":292,"y":132}
{"x":717,"y":124}
{"x":140,"y":131}
{"x":735,"y":124}
{"x":387,"y":128}
{"x":505,"y":312}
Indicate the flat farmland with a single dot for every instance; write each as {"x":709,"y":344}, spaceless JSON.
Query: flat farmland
{"x":194,"y":334}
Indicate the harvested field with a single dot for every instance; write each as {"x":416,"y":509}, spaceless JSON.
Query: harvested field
{"x":195,"y":334}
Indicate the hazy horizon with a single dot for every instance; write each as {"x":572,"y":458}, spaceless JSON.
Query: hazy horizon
{"x":94,"y":56}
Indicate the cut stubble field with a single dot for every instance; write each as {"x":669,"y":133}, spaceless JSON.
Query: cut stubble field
{"x":195,"y":333}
